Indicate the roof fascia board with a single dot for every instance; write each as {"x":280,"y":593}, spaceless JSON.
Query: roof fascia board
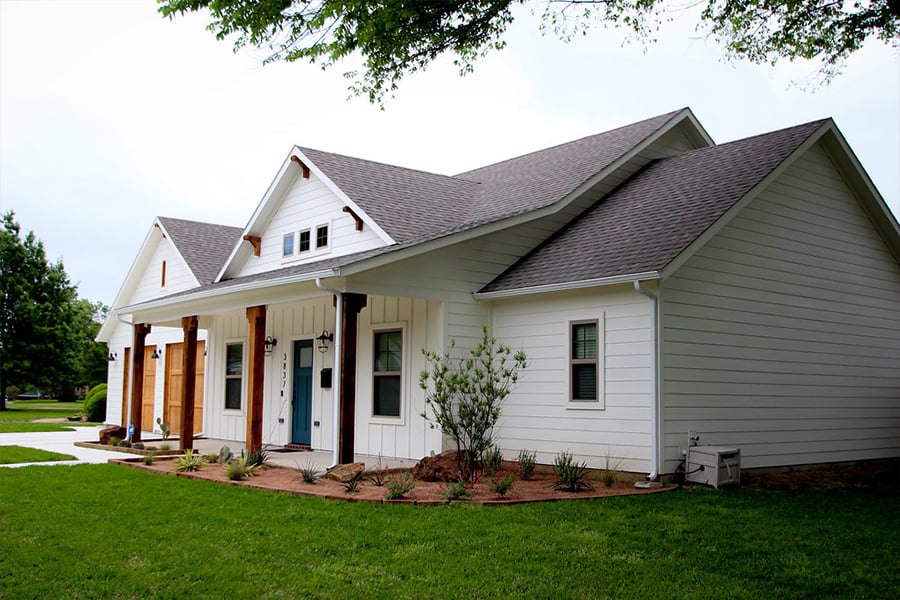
{"x":381,"y":233}
{"x":128,"y":283}
{"x":197,"y":300}
{"x":568,"y":286}
{"x":168,"y":236}
{"x":846,"y":161}
{"x":279,"y":182}
{"x":741,"y":204}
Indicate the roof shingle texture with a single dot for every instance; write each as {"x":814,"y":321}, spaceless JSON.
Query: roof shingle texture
{"x":650,"y":219}
{"x":204,"y":246}
{"x":414,"y":206}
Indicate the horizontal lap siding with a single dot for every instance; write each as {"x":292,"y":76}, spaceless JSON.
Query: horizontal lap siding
{"x":149,"y":284}
{"x":538,"y":415}
{"x":782,"y":335}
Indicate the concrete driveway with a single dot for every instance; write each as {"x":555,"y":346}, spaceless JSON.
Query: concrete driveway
{"x":64,"y":443}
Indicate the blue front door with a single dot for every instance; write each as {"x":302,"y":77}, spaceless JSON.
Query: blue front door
{"x":301,"y":430}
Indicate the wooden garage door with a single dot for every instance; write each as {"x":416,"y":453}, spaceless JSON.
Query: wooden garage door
{"x":148,"y":394}
{"x":174,"y":383}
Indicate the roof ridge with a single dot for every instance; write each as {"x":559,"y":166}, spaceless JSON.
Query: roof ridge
{"x":379,"y":163}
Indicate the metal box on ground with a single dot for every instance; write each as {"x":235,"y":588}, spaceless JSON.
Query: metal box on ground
{"x":712,"y":465}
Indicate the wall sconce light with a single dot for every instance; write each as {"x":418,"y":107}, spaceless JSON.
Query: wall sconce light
{"x":157,"y":353}
{"x":113,"y":356}
{"x":322,"y":341}
{"x":270,"y":344}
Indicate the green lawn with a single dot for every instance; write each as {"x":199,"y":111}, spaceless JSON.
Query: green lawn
{"x":28,"y":410}
{"x":123,"y":533}
{"x":21,"y":427}
{"x":17,"y":454}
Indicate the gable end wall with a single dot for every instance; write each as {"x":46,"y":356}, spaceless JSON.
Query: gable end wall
{"x":781,"y":336}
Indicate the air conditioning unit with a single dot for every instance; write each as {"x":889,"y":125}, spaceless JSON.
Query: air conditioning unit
{"x":711,"y":465}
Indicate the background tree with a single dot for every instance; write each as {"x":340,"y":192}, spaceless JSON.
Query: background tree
{"x":398,"y":37}
{"x":46,"y":333}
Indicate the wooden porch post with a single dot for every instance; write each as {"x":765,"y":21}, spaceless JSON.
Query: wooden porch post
{"x":137,"y":378}
{"x":257,"y":363}
{"x":352,"y":304}
{"x":189,"y":380}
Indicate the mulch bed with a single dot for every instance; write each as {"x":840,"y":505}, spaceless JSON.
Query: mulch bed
{"x":288,"y":481}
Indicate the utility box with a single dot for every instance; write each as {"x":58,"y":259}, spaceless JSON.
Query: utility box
{"x":711,"y":465}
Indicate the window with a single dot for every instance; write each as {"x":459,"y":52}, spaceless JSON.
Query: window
{"x":584,"y":378}
{"x":304,"y":241}
{"x":234,"y":375}
{"x":321,"y":236}
{"x":388,"y":362}
{"x":288,"y":245}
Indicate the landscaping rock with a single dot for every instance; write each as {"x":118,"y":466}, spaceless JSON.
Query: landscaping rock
{"x":440,"y":467}
{"x":344,"y":473}
{"x":113,"y":431}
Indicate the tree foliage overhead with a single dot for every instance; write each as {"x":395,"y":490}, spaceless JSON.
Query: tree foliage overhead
{"x":46,"y":332}
{"x":398,"y":37}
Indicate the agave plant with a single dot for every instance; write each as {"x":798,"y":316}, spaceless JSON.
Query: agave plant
{"x":189,"y":462}
{"x":239,"y":468}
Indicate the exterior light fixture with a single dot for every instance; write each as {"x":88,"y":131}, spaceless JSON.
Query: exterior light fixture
{"x":157,"y":353}
{"x":113,"y":356}
{"x":322,"y":341}
{"x":270,"y":344}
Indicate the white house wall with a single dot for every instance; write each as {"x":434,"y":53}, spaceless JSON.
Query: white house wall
{"x":149,"y":283}
{"x":122,"y":338}
{"x":538,"y":415}
{"x":782,"y":334}
{"x":307,"y":204}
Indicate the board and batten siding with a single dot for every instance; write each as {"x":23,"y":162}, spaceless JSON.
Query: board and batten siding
{"x":781,"y":336}
{"x":538,"y":414}
{"x":123,"y":337}
{"x":307,"y":204}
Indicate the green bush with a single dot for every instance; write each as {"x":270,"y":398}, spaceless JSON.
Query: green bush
{"x":94,"y":407}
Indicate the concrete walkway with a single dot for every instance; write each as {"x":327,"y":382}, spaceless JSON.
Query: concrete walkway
{"x":62,"y":442}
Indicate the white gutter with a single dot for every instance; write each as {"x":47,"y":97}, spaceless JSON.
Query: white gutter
{"x":336,"y":380}
{"x":569,"y":285}
{"x":653,"y":477}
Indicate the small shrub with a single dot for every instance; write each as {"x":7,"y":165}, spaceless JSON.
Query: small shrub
{"x":399,"y":485}
{"x":114,"y":440}
{"x":378,"y":474}
{"x":527,"y":461}
{"x":124,"y":444}
{"x":609,"y":474}
{"x":189,"y":462}
{"x":308,"y":472}
{"x":352,"y":484}
{"x":258,"y":458}
{"x":138,"y":446}
{"x":164,"y":428}
{"x":502,"y":482}
{"x":491,"y":461}
{"x":94,"y":407}
{"x":570,"y":475}
{"x":456,"y":490}
{"x":239,"y":469}
{"x":165,"y":447}
{"x":149,"y":458}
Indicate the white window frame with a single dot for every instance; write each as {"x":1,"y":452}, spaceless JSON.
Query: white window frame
{"x":293,"y":251}
{"x":404,"y":371}
{"x":243,"y":344}
{"x":314,"y":242}
{"x":586,"y":404}
{"x":300,"y":251}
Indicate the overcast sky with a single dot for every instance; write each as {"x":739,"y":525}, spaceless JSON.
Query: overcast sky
{"x":111,"y":115}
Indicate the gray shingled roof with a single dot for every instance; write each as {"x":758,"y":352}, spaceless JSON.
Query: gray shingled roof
{"x":205,"y":246}
{"x":650,"y":219}
{"x":415,"y":206}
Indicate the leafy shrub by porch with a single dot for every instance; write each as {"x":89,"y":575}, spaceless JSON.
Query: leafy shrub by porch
{"x":94,"y":407}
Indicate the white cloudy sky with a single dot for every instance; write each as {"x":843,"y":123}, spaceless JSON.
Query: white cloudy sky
{"x":111,"y":115}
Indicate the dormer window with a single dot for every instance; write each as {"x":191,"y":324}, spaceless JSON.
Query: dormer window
{"x":288,"y":245}
{"x":304,"y":241}
{"x":321,"y":236}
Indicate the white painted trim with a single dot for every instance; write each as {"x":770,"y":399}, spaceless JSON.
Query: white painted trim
{"x":567,"y":286}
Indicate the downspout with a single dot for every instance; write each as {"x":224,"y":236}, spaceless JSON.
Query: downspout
{"x":130,"y":370}
{"x":336,"y":379}
{"x":653,"y":477}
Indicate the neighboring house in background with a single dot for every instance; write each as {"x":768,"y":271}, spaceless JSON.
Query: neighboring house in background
{"x":660,"y":284}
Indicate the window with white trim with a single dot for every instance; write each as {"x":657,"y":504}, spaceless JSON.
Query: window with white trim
{"x":234,"y":375}
{"x":321,"y":236}
{"x":387,"y":373}
{"x":287,"y":245}
{"x":304,"y":241}
{"x":584,"y":383}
